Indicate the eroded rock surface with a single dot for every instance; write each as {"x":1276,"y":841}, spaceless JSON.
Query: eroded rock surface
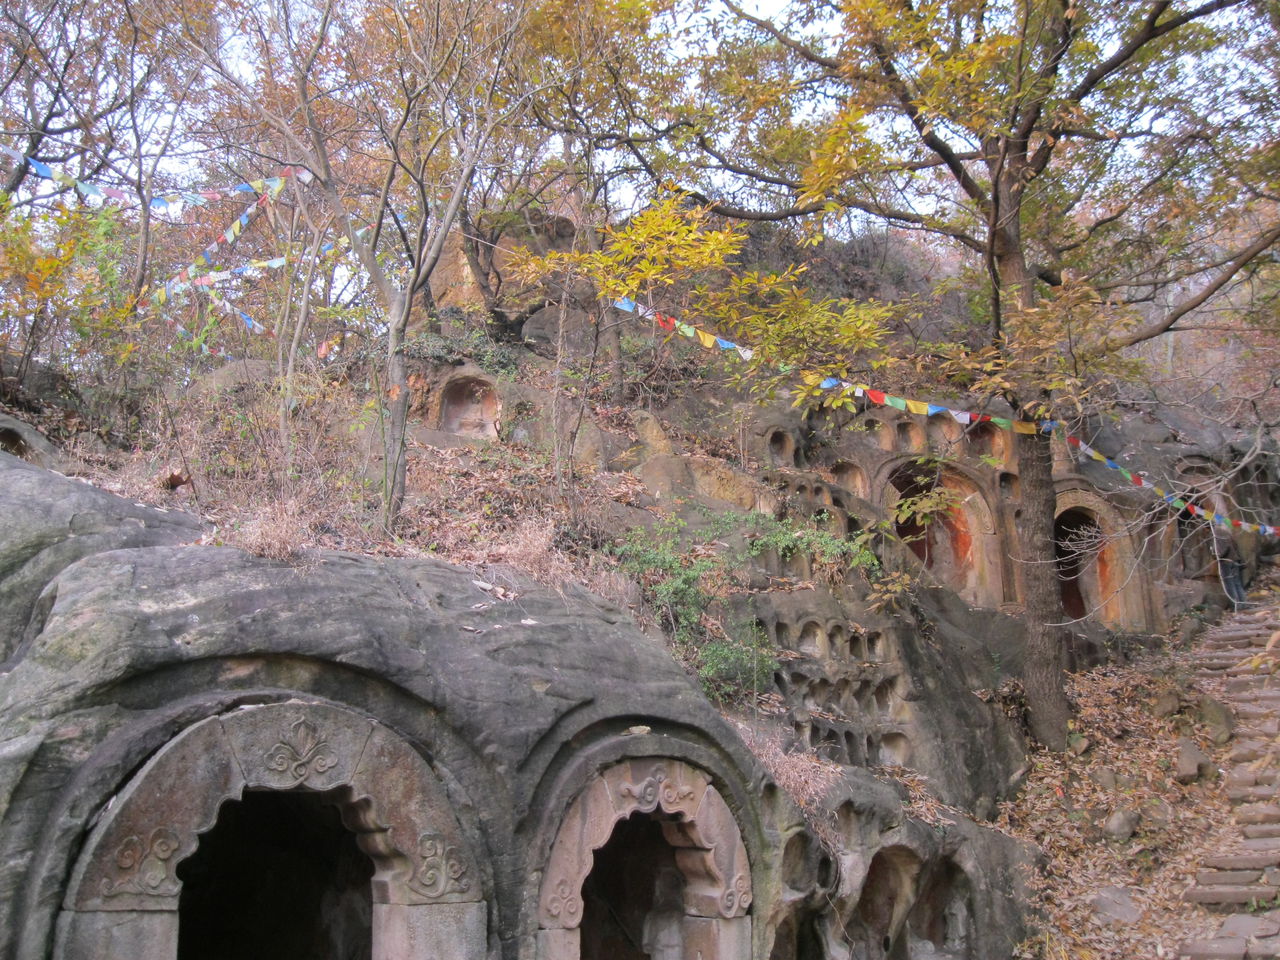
{"x":151,"y":685}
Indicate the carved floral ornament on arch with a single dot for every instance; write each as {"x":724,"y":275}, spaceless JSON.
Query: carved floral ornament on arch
{"x":697,"y":822}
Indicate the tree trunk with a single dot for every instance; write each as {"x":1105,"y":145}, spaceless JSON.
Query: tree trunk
{"x":394,"y":464}
{"x":1043,"y":674}
{"x":1043,"y":669}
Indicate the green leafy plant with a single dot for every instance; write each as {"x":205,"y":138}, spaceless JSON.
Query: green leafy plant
{"x":681,"y":575}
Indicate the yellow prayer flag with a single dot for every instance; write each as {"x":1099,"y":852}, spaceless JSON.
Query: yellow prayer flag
{"x":1023,"y":426}
{"x":706,"y":339}
{"x":918,"y":406}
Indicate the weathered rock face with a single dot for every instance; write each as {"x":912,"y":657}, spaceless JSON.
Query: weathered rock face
{"x":515,"y":772}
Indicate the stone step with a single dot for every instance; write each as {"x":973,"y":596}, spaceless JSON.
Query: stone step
{"x":1243,"y":860}
{"x":1248,"y":776}
{"x":1263,"y":667}
{"x":1218,"y":948}
{"x":1258,"y":813}
{"x":1255,"y":794}
{"x":1231,"y":878}
{"x":1246,"y":751}
{"x":1261,"y":831}
{"x":1252,"y":892}
{"x":1258,"y":728}
{"x":1253,"y":693}
{"x":1248,"y":711}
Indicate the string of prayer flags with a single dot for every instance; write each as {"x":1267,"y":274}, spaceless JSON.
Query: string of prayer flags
{"x":184,"y":276}
{"x":160,"y":201}
{"x":923,"y":408}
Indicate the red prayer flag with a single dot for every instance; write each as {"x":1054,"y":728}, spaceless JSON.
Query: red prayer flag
{"x":876,"y":396}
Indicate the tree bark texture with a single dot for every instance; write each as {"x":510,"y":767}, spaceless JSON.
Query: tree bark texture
{"x":1044,"y":663}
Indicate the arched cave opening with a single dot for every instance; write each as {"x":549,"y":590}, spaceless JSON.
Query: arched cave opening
{"x":942,"y":916}
{"x":986,"y":440}
{"x":469,"y":408}
{"x":783,"y":450}
{"x":916,"y":535}
{"x":277,"y":878}
{"x":633,"y":898}
{"x":1077,"y":539}
{"x":11,"y":442}
{"x":886,"y":898}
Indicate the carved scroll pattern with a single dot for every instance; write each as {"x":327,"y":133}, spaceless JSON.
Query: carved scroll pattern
{"x":441,"y":868}
{"x":145,"y":866}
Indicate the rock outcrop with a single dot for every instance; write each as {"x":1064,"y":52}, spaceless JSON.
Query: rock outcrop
{"x":151,"y":686}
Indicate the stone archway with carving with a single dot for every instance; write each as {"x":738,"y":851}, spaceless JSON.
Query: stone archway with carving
{"x":427,"y":899}
{"x":696,"y":821}
{"x":1122,"y":584}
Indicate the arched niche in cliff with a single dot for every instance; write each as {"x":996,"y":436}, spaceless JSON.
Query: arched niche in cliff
{"x":879,"y":433}
{"x":945,"y":434}
{"x":888,"y":894}
{"x":650,"y":843}
{"x":852,"y":477}
{"x":783,"y":449}
{"x":960,"y":547}
{"x":941,"y":920}
{"x":1097,"y":566}
{"x":911,"y":437}
{"x":469,"y":408}
{"x":175,"y":818}
{"x":987,"y":440}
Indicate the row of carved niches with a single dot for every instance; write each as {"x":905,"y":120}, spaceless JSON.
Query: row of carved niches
{"x":864,"y":691}
{"x":867,"y":896}
{"x":829,"y":642}
{"x":385,"y":792}
{"x":828,"y":504}
{"x":940,"y":435}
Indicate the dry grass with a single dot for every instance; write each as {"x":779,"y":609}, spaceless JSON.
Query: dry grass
{"x":803,"y":776}
{"x":223,"y":457}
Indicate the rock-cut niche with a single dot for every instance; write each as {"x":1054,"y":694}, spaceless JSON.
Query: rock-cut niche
{"x":469,"y":408}
{"x":648,"y":864}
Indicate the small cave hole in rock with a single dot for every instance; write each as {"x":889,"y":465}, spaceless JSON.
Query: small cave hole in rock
{"x":795,"y":862}
{"x":469,"y":408}
{"x":851,"y":477}
{"x":986,"y":441}
{"x":910,"y":437}
{"x":11,"y":442}
{"x":886,"y":893}
{"x":884,"y":697}
{"x":277,"y":878}
{"x":895,"y":748}
{"x":1009,"y":488}
{"x":943,"y":911}
{"x":633,"y":898}
{"x":813,"y":641}
{"x":782,"y":448}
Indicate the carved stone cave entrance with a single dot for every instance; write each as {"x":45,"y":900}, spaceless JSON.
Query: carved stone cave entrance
{"x":648,"y":864}
{"x":285,"y":830}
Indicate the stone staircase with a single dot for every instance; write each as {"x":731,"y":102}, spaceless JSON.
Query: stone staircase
{"x":1238,"y":660}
